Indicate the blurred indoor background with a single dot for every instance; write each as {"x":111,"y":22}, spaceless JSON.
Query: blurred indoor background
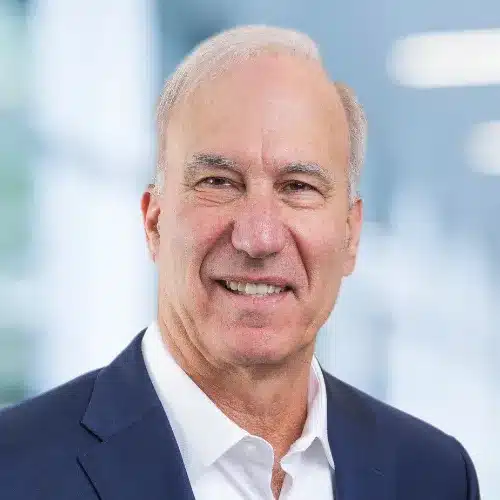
{"x":417,"y":325}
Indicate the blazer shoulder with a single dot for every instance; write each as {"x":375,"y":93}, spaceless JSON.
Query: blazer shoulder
{"x":423,"y":452}
{"x":388,"y":417}
{"x":48,"y":416}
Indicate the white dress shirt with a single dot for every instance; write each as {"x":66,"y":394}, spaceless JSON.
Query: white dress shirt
{"x":222,"y":460}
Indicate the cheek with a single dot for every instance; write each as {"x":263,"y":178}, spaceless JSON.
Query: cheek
{"x":175,"y":241}
{"x":324,"y":232}
{"x":323,"y":248}
{"x":199,"y":228}
{"x":188,"y":236}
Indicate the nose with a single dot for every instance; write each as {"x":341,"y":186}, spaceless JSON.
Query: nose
{"x":258,"y":230}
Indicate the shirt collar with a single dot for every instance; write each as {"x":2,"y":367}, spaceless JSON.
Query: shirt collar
{"x":186,"y":405}
{"x":316,"y":424}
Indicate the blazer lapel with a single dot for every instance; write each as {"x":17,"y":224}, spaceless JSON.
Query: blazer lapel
{"x":362,"y":459}
{"x":135,"y":454}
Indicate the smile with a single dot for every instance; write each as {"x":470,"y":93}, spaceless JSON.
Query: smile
{"x":253,"y":289}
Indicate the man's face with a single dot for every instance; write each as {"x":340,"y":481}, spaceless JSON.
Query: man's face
{"x":232,"y":212}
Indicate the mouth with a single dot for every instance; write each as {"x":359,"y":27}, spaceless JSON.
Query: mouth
{"x":254,"y":290}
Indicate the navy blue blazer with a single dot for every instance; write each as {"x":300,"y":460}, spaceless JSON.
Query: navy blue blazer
{"x":105,"y":436}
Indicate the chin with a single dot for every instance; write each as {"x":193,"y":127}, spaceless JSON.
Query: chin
{"x":264,"y":349}
{"x":257,"y":358}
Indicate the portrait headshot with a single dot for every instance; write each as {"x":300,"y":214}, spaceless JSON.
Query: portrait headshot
{"x":253,"y":220}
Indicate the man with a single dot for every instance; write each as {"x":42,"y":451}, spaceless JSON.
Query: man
{"x":252,"y":223}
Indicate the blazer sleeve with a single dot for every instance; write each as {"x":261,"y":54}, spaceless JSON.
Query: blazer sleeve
{"x":470,"y":475}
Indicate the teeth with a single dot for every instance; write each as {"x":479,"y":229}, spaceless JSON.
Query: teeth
{"x":253,"y":288}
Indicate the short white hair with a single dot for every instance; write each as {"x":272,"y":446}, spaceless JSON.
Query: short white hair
{"x":217,"y":53}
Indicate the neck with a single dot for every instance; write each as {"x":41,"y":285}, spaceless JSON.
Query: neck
{"x":274,"y":408}
{"x":269,"y":401}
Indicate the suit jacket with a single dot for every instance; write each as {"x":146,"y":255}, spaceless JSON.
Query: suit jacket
{"x":105,"y":436}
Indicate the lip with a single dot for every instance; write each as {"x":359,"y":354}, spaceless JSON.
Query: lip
{"x":254,"y":301}
{"x":269,"y":280}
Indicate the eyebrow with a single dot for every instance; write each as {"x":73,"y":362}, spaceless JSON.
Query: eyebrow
{"x":201,"y":161}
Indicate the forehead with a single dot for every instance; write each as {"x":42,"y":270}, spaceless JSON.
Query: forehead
{"x":273,"y":108}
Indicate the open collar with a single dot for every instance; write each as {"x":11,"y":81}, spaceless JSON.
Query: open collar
{"x":136,"y":455}
{"x":186,"y":405}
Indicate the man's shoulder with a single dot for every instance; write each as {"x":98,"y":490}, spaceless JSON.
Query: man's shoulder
{"x":55,"y":413}
{"x":418,"y":453}
{"x":399,"y":427}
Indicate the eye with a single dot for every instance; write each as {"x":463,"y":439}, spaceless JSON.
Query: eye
{"x":216,"y":182}
{"x":299,"y":186}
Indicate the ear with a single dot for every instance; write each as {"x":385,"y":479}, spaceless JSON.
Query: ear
{"x":150,"y":208}
{"x":353,"y":233}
